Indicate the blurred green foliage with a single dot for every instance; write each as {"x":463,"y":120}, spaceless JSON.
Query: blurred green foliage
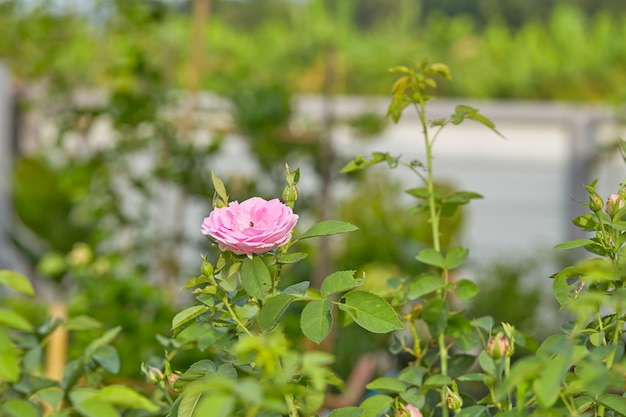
{"x":256,"y":54}
{"x":535,"y":49}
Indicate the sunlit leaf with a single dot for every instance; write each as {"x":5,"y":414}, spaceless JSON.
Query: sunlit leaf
{"x":424,"y":284}
{"x":20,"y":408}
{"x":328,"y":227}
{"x":316,"y":320}
{"x":339,"y":281}
{"x":17,"y":282}
{"x":256,"y":278}
{"x":186,"y":317}
{"x":371,"y":312}
{"x":430,"y":256}
{"x":466,"y":289}
{"x":273,"y":309}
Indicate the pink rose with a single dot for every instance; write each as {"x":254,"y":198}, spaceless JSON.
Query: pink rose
{"x":254,"y":226}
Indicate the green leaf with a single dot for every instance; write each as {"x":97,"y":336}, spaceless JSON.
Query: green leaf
{"x":441,"y":69}
{"x":414,"y":396}
{"x":548,"y":385}
{"x":339,"y":281}
{"x":256,"y":278}
{"x":462,"y":112}
{"x":195,"y":281}
{"x":328,"y":227}
{"x":376,"y":405}
{"x":562,"y":289}
{"x":614,"y":402}
{"x":74,"y":370}
{"x":437,"y":381}
{"x":220,"y":189}
{"x":273,"y":309}
{"x":188,"y":404}
{"x":9,"y":359}
{"x":466,"y":289}
{"x":360,"y":162}
{"x":298,"y":289}
{"x":11,"y":319}
{"x":215,"y":405}
{"x":291,"y":258}
{"x":461,"y":197}
{"x":387,"y":384}
{"x":82,"y":323}
{"x":20,"y":408}
{"x":105,"y":339}
{"x":474,"y":411}
{"x":51,"y":396}
{"x":472,"y":377}
{"x":17,"y":282}
{"x":455,"y":257}
{"x":413,"y":375}
{"x":123,"y":396}
{"x":485,"y":323}
{"x":421,"y":193}
{"x":424,"y":284}
{"x":106,"y":357}
{"x":430,"y":256}
{"x":586,"y":222}
{"x":460,"y":365}
{"x":371,"y":312}
{"x":577,"y":243}
{"x":88,"y":405}
{"x":186,"y":317}
{"x":316,"y":320}
{"x":435,"y":314}
{"x":486,"y":363}
{"x":346,"y":412}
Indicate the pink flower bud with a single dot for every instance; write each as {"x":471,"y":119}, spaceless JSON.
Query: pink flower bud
{"x":613,"y":204}
{"x":174,"y":378}
{"x":155,"y":375}
{"x":499,"y":346}
{"x":409,"y":411}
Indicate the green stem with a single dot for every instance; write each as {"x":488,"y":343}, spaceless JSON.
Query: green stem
{"x":293,"y":410}
{"x":233,"y":316}
{"x":430,"y":181}
{"x":434,"y":224}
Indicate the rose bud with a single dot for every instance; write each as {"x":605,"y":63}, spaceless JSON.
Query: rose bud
{"x":595,"y":202}
{"x":453,"y":400}
{"x":409,"y":411}
{"x":613,"y":204}
{"x":155,"y":375}
{"x":206,"y":269}
{"x":499,"y":346}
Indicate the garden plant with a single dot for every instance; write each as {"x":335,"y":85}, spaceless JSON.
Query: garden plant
{"x":253,"y":362}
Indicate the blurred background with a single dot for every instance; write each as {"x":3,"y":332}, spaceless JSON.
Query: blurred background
{"x":114,"y":112}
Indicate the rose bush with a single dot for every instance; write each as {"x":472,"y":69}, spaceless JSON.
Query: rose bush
{"x":255,"y":226}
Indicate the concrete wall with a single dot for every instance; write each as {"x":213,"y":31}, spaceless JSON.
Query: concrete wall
{"x":6,"y":152}
{"x":531,"y":180}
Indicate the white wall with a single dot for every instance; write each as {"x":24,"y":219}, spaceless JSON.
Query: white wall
{"x":5,"y":163}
